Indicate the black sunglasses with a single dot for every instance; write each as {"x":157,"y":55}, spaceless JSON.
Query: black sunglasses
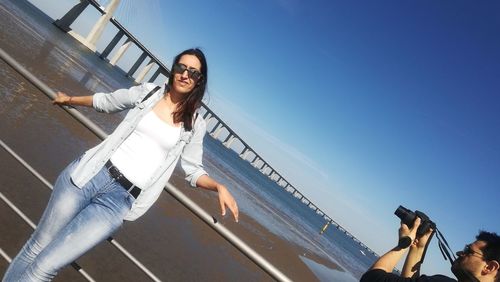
{"x":194,"y":74}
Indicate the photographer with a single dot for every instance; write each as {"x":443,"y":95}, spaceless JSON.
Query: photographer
{"x":479,"y":261}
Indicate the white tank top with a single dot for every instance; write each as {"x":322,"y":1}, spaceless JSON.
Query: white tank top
{"x":145,"y":149}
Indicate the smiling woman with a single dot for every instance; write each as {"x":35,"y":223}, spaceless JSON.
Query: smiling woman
{"x":123,"y":176}
{"x":188,"y":84}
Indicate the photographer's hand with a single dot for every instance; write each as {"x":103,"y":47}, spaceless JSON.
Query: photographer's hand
{"x":388,"y":261}
{"x":406,"y":232}
{"x":414,"y":259}
{"x":420,"y":243}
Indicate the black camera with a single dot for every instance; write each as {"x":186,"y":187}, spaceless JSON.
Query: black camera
{"x":408,"y":217}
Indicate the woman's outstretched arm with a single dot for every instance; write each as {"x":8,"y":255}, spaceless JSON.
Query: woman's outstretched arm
{"x":118,"y":100}
{"x":63,"y":99}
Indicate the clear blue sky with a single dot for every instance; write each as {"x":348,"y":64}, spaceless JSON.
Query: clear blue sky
{"x":362,"y":105}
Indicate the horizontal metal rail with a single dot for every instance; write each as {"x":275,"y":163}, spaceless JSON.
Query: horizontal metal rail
{"x":5,"y":255}
{"x":193,"y":207}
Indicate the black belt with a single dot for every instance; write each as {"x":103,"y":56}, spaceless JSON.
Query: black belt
{"x":120,"y":178}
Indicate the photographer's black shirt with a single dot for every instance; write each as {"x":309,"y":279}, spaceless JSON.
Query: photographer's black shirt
{"x":378,"y":275}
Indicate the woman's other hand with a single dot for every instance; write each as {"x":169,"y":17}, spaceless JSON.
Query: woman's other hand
{"x":226,"y":199}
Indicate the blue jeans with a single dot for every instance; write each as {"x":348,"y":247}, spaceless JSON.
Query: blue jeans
{"x":74,"y":221}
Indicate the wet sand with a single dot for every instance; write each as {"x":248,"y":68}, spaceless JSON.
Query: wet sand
{"x":173,"y":243}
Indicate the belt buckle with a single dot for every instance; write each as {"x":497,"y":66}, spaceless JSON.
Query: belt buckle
{"x":118,"y":176}
{"x":129,"y":190}
{"x":114,"y":173}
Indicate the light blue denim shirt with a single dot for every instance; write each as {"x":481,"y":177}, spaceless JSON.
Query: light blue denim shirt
{"x":189,"y":147}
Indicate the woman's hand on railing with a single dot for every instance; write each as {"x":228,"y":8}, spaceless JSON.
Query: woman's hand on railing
{"x":62,"y":99}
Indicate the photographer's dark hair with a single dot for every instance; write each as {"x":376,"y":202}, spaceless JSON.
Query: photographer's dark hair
{"x":188,"y":106}
{"x":492,"y":249}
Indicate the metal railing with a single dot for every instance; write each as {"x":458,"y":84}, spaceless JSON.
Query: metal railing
{"x":178,"y":195}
